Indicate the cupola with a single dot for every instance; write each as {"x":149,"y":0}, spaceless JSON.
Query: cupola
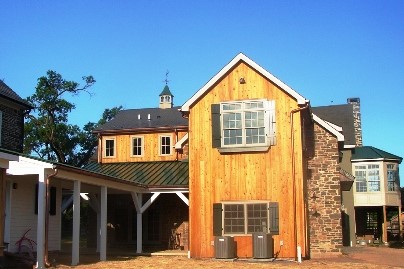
{"x":166,"y":98}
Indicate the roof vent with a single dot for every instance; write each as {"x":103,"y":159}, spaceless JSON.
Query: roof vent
{"x":138,"y":116}
{"x":148,"y":116}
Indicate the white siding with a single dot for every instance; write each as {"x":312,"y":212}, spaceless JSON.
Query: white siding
{"x":23,"y":215}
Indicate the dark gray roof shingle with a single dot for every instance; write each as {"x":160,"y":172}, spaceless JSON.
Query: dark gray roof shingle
{"x":8,"y":93}
{"x":341,"y":115}
{"x":132,"y":119}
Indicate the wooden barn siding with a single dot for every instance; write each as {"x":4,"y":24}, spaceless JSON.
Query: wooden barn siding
{"x":216,"y":177}
{"x":151,"y":148}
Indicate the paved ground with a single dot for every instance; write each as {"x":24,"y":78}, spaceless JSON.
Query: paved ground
{"x":357,"y":257}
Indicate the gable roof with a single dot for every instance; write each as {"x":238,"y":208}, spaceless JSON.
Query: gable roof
{"x":242,"y":58}
{"x":151,"y":174}
{"x":329,"y":127}
{"x":341,"y":115}
{"x":145,"y":119}
{"x":369,"y":153}
{"x":8,"y":93}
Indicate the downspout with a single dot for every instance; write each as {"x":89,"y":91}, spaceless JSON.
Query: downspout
{"x":293,"y":171}
{"x":176,"y":140}
{"x":47,"y":263}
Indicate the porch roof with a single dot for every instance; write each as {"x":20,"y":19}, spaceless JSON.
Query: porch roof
{"x":150,"y":174}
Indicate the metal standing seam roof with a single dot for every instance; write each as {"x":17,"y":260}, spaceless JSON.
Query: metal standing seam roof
{"x":151,"y":174}
{"x":372,"y":153}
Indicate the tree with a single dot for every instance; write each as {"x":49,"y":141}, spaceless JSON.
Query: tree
{"x":48,"y":133}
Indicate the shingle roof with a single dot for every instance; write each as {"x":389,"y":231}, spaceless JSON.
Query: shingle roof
{"x":372,"y":153}
{"x":341,"y":115}
{"x":151,"y":174}
{"x":139,"y":119}
{"x":7,"y":92}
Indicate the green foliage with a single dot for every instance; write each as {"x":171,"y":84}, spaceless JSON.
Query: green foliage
{"x":48,"y":133}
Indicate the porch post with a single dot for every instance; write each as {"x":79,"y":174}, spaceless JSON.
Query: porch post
{"x":384,"y":230}
{"x":98,"y":232}
{"x":76,"y":223}
{"x":40,"y":247}
{"x":2,"y":207}
{"x":103,"y":224}
{"x":139,"y":238}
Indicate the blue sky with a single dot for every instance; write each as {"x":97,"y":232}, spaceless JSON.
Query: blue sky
{"x":325,"y":50}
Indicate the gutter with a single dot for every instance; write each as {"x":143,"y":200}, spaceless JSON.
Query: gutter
{"x":306,"y":106}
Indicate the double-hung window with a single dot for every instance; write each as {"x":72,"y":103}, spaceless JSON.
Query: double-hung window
{"x":391,"y":178}
{"x":165,"y":145}
{"x":373,"y":177}
{"x":360,"y":178}
{"x":243,"y":125}
{"x":109,"y":146}
{"x":367,"y":178}
{"x":241,"y":218}
{"x":137,"y":146}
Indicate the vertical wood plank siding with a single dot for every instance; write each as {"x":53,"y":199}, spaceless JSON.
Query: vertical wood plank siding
{"x":123,"y":144}
{"x":216,"y":177}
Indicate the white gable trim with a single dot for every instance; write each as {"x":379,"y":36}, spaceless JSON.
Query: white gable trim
{"x":328,"y":127}
{"x":181,"y":142}
{"x":241,"y":57}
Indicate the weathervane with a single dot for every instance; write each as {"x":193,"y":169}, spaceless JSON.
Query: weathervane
{"x":166,"y":80}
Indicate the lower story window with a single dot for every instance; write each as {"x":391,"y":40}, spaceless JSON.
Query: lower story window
{"x":232,"y":218}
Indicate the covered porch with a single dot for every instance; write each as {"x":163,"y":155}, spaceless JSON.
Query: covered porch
{"x":33,"y":195}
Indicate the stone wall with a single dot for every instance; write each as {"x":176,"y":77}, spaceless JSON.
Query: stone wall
{"x":323,"y":193}
{"x":12,"y":128}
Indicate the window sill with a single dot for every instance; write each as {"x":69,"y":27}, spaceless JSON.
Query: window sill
{"x":243,"y":149}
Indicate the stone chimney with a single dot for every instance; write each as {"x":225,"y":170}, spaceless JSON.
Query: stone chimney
{"x":356,"y":105}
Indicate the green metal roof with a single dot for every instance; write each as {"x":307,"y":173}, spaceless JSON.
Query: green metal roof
{"x":372,"y":153}
{"x":166,"y":91}
{"x":151,"y":174}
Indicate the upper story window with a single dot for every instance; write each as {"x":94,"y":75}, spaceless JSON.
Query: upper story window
{"x":392,"y":178}
{"x":247,"y":217}
{"x":165,"y":144}
{"x":243,"y":125}
{"x":367,"y":178}
{"x":109,"y":147}
{"x":137,"y":146}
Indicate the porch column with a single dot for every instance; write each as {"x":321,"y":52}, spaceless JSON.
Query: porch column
{"x":95,"y":204}
{"x":40,"y":247}
{"x":139,"y":239}
{"x":103,"y":224}
{"x":76,"y":223}
{"x":2,"y":207}
{"x":384,"y":226}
